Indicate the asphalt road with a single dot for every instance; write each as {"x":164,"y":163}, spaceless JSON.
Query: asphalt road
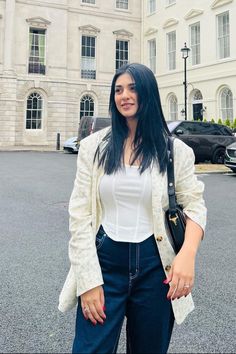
{"x":34,"y":192}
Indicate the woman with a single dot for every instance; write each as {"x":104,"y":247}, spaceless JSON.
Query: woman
{"x":122,"y":263}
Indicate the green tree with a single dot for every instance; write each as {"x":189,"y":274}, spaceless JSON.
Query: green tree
{"x":227,"y":122}
{"x":220,"y":121}
{"x":212,"y":120}
{"x":234,"y":124}
{"x":204,"y":120}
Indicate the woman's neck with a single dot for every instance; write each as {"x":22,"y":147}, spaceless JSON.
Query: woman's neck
{"x":132,"y":125}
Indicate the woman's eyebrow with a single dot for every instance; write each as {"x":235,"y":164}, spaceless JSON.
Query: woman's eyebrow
{"x":131,"y":84}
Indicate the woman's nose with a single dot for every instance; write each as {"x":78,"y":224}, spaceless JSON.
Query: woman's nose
{"x":125,"y":94}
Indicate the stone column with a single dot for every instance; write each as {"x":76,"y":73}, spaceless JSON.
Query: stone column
{"x":9,"y":37}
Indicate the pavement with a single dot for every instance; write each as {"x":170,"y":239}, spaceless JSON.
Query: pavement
{"x":199,"y":168}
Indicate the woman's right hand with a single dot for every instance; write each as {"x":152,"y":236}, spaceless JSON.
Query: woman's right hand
{"x":92,"y":303}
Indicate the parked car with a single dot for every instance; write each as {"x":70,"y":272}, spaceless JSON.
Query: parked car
{"x":89,"y":125}
{"x":230,"y":157}
{"x":71,"y":145}
{"x":208,"y":140}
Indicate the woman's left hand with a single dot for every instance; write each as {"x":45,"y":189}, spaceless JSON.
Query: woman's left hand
{"x":181,"y":275}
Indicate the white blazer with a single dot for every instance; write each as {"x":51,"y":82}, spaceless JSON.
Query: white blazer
{"x":86,"y":212}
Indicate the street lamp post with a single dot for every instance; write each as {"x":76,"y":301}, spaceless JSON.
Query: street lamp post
{"x":185,"y":50}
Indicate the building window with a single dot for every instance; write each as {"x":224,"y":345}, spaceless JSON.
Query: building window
{"x":173,"y":107}
{"x":170,"y":2}
{"x":152,"y":55}
{"x":151,"y":6}
{"x":88,"y":1}
{"x":37,"y":51}
{"x":171,"y":45}
{"x":34,"y":111}
{"x":122,"y":4}
{"x":88,"y":60}
{"x":86,"y":106}
{"x":122,"y":53}
{"x":195,"y":43}
{"x":223,"y":35}
{"x":226,"y":104}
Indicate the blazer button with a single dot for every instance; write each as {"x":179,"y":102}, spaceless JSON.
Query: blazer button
{"x":159,"y":238}
{"x":167,"y":268}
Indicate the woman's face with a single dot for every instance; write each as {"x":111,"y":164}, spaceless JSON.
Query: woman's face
{"x":126,"y":98}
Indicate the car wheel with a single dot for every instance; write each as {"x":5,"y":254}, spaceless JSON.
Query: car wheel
{"x":218,"y":155}
{"x":233,"y":169}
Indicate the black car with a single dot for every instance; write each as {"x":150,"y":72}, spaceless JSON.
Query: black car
{"x":208,"y":140}
{"x":230,"y":157}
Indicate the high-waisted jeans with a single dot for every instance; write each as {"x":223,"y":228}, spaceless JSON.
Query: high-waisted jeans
{"x":133,"y":287}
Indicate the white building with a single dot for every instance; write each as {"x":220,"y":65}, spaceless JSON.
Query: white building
{"x":57,"y":59}
{"x":209,"y":29}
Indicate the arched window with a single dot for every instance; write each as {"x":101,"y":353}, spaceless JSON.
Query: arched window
{"x":86,"y":106}
{"x":226,"y":104}
{"x":173,"y":107}
{"x":34,"y":111}
{"x":197,"y":95}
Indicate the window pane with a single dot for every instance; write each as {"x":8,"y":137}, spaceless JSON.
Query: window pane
{"x":37,"y":48}
{"x":122,"y":53}
{"x":223,"y":35}
{"x":34,"y":111}
{"x":86,"y":106}
{"x":122,"y":4}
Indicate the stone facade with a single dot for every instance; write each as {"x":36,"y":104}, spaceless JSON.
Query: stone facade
{"x":61,"y":87}
{"x":212,"y":74}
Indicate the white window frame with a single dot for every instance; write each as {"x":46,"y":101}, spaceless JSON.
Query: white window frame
{"x":89,"y":2}
{"x":226,"y":104}
{"x":170,"y":2}
{"x":152,"y":51}
{"x":88,"y":63}
{"x":122,"y":4}
{"x":36,"y":113}
{"x":42,"y":58}
{"x":151,"y":7}
{"x":171,"y":50}
{"x":173,"y":107}
{"x":119,"y":61}
{"x":91,"y":102}
{"x":195,"y":42}
{"x":223,"y":36}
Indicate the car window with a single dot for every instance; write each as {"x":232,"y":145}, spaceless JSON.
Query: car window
{"x":225,"y":130}
{"x":186,"y":127}
{"x":101,"y":123}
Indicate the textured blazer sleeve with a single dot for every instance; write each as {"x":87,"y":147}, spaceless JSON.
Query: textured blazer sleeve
{"x":189,"y":190}
{"x":82,"y":249}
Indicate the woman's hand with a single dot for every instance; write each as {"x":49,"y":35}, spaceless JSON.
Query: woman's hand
{"x":181,"y":276}
{"x":92,"y":303}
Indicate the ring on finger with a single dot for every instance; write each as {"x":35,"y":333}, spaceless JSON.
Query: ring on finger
{"x":186,"y":286}
{"x":86,"y":309}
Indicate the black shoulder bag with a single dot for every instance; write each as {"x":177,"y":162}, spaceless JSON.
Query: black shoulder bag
{"x":175,"y":218}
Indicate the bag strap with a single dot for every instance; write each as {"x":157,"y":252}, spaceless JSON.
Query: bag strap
{"x":171,"y":177}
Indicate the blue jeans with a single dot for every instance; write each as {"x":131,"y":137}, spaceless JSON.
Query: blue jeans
{"x":133,"y":287}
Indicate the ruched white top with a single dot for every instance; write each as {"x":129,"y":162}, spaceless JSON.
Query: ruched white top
{"x":127,"y":205}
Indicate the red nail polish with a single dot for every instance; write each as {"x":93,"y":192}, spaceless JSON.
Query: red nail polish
{"x":165,"y":281}
{"x":104,"y":308}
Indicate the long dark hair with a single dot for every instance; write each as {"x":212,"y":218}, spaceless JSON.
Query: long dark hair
{"x":151,"y":133}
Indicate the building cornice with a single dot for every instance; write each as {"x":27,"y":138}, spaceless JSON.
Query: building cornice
{"x":170,"y":22}
{"x":150,"y":31}
{"x":218,"y":3}
{"x":89,"y":29}
{"x":122,"y":33}
{"x":38,"y":22}
{"x":193,"y":13}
